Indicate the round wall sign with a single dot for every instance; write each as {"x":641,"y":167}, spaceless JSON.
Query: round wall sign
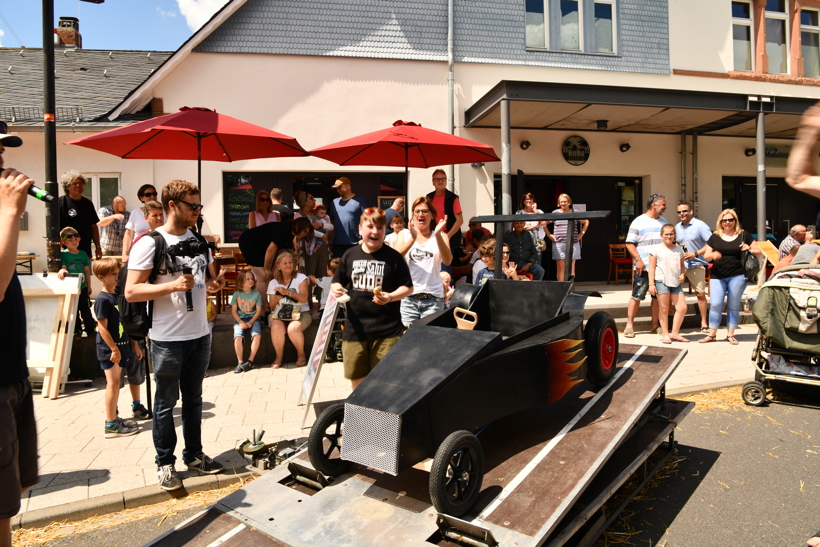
{"x":575,"y":150}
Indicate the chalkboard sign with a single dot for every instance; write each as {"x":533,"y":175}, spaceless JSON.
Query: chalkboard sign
{"x":240,"y":201}
{"x":386,"y":201}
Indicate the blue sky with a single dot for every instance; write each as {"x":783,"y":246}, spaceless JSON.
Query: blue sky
{"x":161,"y":25}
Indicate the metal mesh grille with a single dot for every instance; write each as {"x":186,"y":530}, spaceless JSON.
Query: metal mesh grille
{"x":371,"y":438}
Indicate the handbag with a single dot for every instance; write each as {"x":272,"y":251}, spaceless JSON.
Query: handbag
{"x":287,"y":309}
{"x":542,"y":244}
{"x":751,"y":266}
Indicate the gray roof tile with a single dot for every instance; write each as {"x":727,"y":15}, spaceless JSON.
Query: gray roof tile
{"x":88,"y":80}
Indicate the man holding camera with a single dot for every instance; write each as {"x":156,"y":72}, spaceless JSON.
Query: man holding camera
{"x":180,"y":339}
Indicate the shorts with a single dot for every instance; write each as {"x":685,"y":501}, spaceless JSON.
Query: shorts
{"x":697,"y":278}
{"x":18,"y":445}
{"x":304,"y":318}
{"x":130,"y":365}
{"x":362,"y":357}
{"x":255,"y":330}
{"x":559,"y":251}
{"x":640,"y":286}
{"x":661,"y":288}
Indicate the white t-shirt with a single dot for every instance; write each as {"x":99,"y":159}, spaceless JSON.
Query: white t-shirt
{"x":424,"y":261}
{"x":324,"y":284}
{"x":478,"y":265}
{"x":390,"y":239}
{"x":137,"y":222}
{"x":297,"y":280}
{"x":667,"y":265}
{"x":172,"y":322}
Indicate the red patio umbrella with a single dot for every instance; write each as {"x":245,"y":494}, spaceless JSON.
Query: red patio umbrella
{"x":193,"y":134}
{"x":406,"y":144}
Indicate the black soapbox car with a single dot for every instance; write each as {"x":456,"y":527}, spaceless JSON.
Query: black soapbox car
{"x":501,"y":348}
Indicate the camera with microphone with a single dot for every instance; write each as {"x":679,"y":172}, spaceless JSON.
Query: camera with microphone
{"x":191,"y":247}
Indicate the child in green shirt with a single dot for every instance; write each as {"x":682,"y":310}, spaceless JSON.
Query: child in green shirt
{"x":76,"y":261}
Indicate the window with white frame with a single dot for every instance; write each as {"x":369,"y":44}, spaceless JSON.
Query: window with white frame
{"x":742,"y":35}
{"x":588,"y":26}
{"x":101,"y":188}
{"x":777,"y":38}
{"x":604,"y":26}
{"x":810,"y":42}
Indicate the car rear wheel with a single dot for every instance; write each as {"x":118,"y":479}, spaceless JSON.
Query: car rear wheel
{"x":601,"y":344}
{"x":457,"y":473}
{"x":325,"y":442}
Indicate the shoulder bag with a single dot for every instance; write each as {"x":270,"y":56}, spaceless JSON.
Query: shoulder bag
{"x":751,"y":266}
{"x":287,"y":309}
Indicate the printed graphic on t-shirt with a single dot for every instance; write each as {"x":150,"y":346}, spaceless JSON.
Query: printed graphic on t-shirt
{"x":196,"y":264}
{"x":419,"y":255}
{"x":246,"y":303}
{"x":367,"y":275}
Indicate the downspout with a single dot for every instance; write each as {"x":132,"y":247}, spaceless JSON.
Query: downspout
{"x":683,"y":154}
{"x":695,"y":171}
{"x":451,"y":178}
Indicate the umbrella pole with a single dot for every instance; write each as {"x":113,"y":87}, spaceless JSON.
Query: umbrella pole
{"x":199,"y":178}
{"x":406,"y":169}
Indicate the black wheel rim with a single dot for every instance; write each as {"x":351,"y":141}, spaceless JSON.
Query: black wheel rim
{"x":461,"y":474}
{"x":332,"y":439}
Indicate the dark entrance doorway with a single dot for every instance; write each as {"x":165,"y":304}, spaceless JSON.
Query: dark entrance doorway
{"x":620,"y":195}
{"x":785,"y":206}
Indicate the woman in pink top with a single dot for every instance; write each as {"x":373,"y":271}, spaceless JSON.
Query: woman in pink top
{"x":264,"y":211}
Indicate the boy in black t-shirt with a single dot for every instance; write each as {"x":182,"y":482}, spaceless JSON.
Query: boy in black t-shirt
{"x":116,"y":350}
{"x":376,"y":277}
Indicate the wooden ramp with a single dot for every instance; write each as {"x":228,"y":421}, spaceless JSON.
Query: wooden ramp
{"x":548,"y":472}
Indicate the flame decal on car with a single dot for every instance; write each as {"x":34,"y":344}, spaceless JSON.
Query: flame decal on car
{"x":563,"y":362}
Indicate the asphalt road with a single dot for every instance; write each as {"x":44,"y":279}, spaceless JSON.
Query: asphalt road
{"x":748,"y":477}
{"x":745,"y":477}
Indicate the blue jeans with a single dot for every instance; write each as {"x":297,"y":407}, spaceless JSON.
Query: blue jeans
{"x":413,"y":309}
{"x":731,"y":288}
{"x":536,"y":271}
{"x":179,"y":367}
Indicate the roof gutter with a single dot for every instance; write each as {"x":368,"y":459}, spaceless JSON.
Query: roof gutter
{"x":140,"y":96}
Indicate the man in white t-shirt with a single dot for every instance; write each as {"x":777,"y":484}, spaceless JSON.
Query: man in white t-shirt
{"x":180,"y":338}
{"x":644,"y":233}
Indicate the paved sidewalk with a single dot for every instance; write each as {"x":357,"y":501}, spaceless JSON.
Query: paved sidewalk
{"x":78,"y":464}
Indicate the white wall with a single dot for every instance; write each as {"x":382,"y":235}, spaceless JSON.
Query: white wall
{"x":700,"y":35}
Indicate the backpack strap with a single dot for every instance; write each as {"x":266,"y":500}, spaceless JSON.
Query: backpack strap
{"x":159,"y":254}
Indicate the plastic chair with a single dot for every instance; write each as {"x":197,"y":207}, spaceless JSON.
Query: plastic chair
{"x":620,"y":261}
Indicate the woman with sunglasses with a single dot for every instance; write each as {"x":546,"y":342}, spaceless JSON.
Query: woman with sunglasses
{"x":287,"y":282}
{"x":559,"y":237}
{"x":264,"y":212}
{"x":425,"y":249}
{"x":727,"y":281}
{"x":313,"y":250}
{"x":534,"y":227}
{"x":136,"y":222}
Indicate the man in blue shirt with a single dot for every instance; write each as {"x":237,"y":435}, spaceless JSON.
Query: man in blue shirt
{"x":345,"y":212}
{"x":692,"y":235}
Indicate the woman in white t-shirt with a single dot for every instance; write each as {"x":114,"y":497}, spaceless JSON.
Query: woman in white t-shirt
{"x":666,"y":273}
{"x":136,"y":221}
{"x":425,"y":248}
{"x":287,"y":283}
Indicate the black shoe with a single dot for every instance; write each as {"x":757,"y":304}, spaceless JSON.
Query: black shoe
{"x":141,"y":413}
{"x":204,"y":465}
{"x":243,"y":367}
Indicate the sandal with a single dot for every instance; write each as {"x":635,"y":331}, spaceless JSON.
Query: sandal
{"x":301,"y":362}
{"x":276,"y":364}
{"x":732,"y":340}
{"x":704,"y":330}
{"x":629,"y":332}
{"x":678,"y":339}
{"x":707,"y":339}
{"x":666,"y":341}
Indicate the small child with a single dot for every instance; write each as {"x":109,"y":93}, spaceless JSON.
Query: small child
{"x":397,"y":225}
{"x":448,"y":290}
{"x":246,"y":308}
{"x":324,"y":282}
{"x":116,"y":353}
{"x":666,"y":273}
{"x":76,"y":261}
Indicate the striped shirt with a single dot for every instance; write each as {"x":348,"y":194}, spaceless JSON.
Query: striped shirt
{"x":644,"y":233}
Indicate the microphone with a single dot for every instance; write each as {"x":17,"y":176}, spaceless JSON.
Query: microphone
{"x":188,"y":296}
{"x":39,"y":193}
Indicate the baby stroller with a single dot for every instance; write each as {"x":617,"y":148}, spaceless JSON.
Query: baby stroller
{"x":788,"y":345}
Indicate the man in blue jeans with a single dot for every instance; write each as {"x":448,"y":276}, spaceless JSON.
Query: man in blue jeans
{"x":523,"y":252}
{"x":180,"y":338}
